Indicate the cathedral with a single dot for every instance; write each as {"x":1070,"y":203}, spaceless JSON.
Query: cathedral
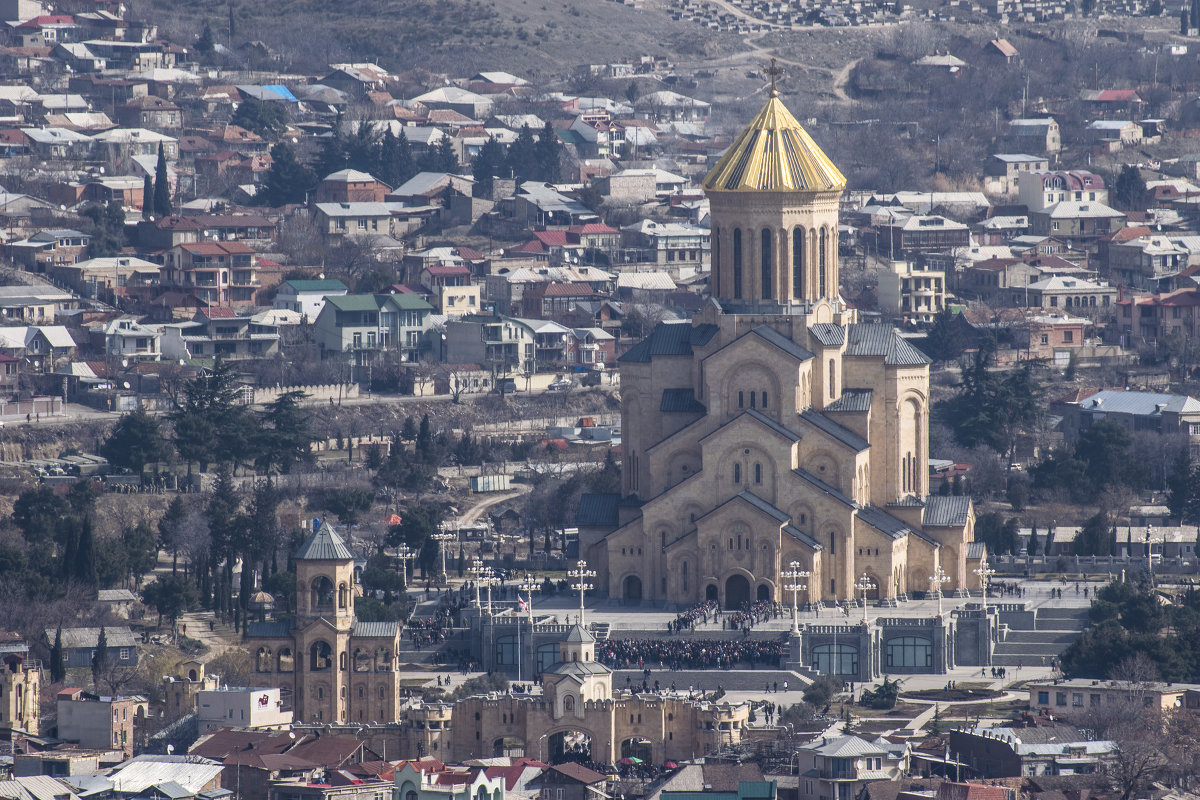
{"x":774,"y":427}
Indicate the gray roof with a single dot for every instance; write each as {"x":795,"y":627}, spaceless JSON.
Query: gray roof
{"x":141,"y":772}
{"x":828,"y":334}
{"x":324,"y":545}
{"x":577,"y":635}
{"x":115,"y":596}
{"x":832,"y":491}
{"x":884,"y":341}
{"x":269,"y":630}
{"x":882,"y":521}
{"x":773,"y":425}
{"x":598,"y":510}
{"x":847,"y":747}
{"x":796,"y":533}
{"x":1138,"y":403}
{"x":833,"y":429}
{"x":578,"y":668}
{"x":783,"y":343}
{"x":947,"y":512}
{"x":852,"y":400}
{"x":670,"y":339}
{"x":681,"y":400}
{"x":763,"y":505}
{"x":976,"y":550}
{"x":375,"y":630}
{"x":89,"y":637}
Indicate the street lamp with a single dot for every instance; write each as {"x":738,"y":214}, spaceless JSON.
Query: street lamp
{"x":478,"y":571}
{"x":864,"y":585}
{"x":796,"y":578}
{"x":936,"y":581}
{"x":405,"y":554}
{"x":581,"y":574}
{"x":441,"y":538}
{"x":1149,"y":555}
{"x":529,"y":586}
{"x":985,"y":574}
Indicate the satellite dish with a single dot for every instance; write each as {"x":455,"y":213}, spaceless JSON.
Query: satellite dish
{"x":124,"y":362}
{"x":170,"y":749}
{"x":125,"y":384}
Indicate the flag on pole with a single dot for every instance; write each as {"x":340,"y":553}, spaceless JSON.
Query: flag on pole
{"x":521,"y":601}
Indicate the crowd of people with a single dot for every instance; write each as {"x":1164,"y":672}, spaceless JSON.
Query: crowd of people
{"x":696,"y":615}
{"x":690,"y":653}
{"x":431,"y":630}
{"x":751,"y":615}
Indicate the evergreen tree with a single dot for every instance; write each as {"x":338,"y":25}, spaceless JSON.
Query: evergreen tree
{"x":486,"y":165}
{"x":58,"y":664}
{"x":522,"y":156}
{"x":388,"y":168}
{"x":944,"y":341}
{"x":1033,"y":547}
{"x":425,"y":440}
{"x":1195,"y":9}
{"x":442,"y":158}
{"x":1093,"y":538}
{"x":287,"y":435}
{"x":548,"y":155}
{"x":405,"y":163}
{"x":408,"y":431}
{"x":100,"y":658}
{"x":135,"y":441}
{"x":205,"y":44}
{"x":147,"y":197}
{"x":333,"y":152}
{"x":68,"y":538}
{"x":362,"y":148}
{"x":287,"y":181}
{"x":1130,"y":188}
{"x":162,"y":187}
{"x":1183,"y":21}
{"x":85,"y":560}
{"x":232,"y":25}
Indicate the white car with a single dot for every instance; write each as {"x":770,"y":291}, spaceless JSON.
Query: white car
{"x":563,"y":385}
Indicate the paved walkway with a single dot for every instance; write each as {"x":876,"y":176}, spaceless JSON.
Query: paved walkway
{"x":221,"y":638}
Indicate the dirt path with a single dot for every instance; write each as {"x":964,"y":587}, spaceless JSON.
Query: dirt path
{"x":472,"y":515}
{"x":218,"y":639}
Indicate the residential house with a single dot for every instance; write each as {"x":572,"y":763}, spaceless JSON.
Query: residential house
{"x":49,"y":248}
{"x":645,"y":287}
{"x":219,"y":273}
{"x":307,"y":297}
{"x":839,"y":767}
{"x":1031,"y":751}
{"x":1040,"y":135}
{"x":467,"y":103}
{"x":431,"y":188}
{"x":150,"y":111}
{"x":571,"y":781}
{"x":108,"y":278}
{"x":219,"y":331}
{"x":1038,"y":191}
{"x":918,"y":232}
{"x":432,"y":780}
{"x":1073,"y":700}
{"x":57,"y":144}
{"x":1156,"y":317}
{"x":335,"y":220}
{"x":35,"y":304}
{"x":1068,"y":293}
{"x":166,"y":777}
{"x":668,"y":106}
{"x":117,"y":146}
{"x":1076,"y":220}
{"x":594,"y":347}
{"x":1002,"y":171}
{"x":350,"y":186}
{"x":502,"y":345}
{"x":453,"y":292}
{"x":1114,"y":134}
{"x":552,"y":299}
{"x":337,"y":787}
{"x":99,"y":722}
{"x":909,"y":291}
{"x":1167,"y":414}
{"x":1146,"y":261}
{"x":253,"y":708}
{"x":669,"y":245}
{"x":540,"y":206}
{"x":1054,"y":337}
{"x":367,"y":327}
{"x":126,"y":338}
{"x":41,"y":347}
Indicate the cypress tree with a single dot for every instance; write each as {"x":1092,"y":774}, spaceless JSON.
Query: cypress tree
{"x":147,"y":197}
{"x":548,"y":152}
{"x":58,"y":666}
{"x":85,"y":559}
{"x":1033,"y":547}
{"x":100,"y":658}
{"x":162,"y":189}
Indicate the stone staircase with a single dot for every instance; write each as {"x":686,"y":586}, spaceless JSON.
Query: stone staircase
{"x":1054,"y":630}
{"x":601,"y":631}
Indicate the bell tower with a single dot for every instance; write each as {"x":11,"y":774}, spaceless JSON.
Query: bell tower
{"x":773,"y":199}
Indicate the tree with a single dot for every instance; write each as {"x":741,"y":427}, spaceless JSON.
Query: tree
{"x":548,"y":154}
{"x":999,"y":535}
{"x":333,"y":151}
{"x":944,"y":340}
{"x":522,"y":156}
{"x":135,"y":441}
{"x":147,"y":197}
{"x":100,"y":658}
{"x":287,"y":181}
{"x":1183,"y":21}
{"x":204,"y":44}
{"x":1129,"y":191}
{"x":211,"y":425}
{"x":267,"y":119}
{"x":1033,"y":547}
{"x":287,"y":435}
{"x":169,"y":596}
{"x":58,"y":664}
{"x":1086,"y":7}
{"x":488,"y":161}
{"x":162,"y":186}
{"x":106,"y":227}
{"x":1183,"y":489}
{"x":362,"y":147}
{"x":396,"y":163}
{"x":441,"y":157}
{"x":882,"y":697}
{"x":820,"y":692}
{"x":992,"y":408}
{"x":1094,"y":538}
{"x":85,"y":558}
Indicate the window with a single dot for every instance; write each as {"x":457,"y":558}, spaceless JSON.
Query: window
{"x":123,"y":654}
{"x":1060,"y":698}
{"x":1094,"y":700}
{"x":1077,"y":699}
{"x":1045,"y":338}
{"x":765,"y":265}
{"x":741,"y":399}
{"x":737,"y":473}
{"x":798,"y":263}
{"x":1043,"y":698}
{"x":1068,"y":336}
{"x":737,"y":263}
{"x":764,"y":399}
{"x":909,"y":652}
{"x":758,"y":473}
{"x":821,"y":263}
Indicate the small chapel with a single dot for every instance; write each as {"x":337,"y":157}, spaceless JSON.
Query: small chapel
{"x":775,"y":427}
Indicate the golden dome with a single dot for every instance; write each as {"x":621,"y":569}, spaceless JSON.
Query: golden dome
{"x":774,"y":154}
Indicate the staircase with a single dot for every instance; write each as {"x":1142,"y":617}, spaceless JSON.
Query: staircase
{"x":600,"y":630}
{"x":1054,"y":630}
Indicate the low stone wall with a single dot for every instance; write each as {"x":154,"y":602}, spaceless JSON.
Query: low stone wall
{"x":315,"y":393}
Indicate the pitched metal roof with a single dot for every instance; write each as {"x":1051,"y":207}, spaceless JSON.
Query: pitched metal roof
{"x":796,"y":533}
{"x":783,"y":343}
{"x":324,"y":545}
{"x":852,"y":400}
{"x":375,"y":630}
{"x":883,"y":341}
{"x":832,"y":491}
{"x":828,"y":334}
{"x":73,"y":638}
{"x":782,"y":430}
{"x":833,"y":429}
{"x":947,"y":512}
{"x":579,"y":668}
{"x":774,"y":154}
{"x":269,"y":630}
{"x":1138,"y":403}
{"x":598,"y":510}
{"x":682,"y":401}
{"x":763,"y":505}
{"x":670,"y":339}
{"x":903,"y":354}
{"x":578,"y":635}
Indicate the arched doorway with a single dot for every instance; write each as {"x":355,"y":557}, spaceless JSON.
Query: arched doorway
{"x":508,"y":747}
{"x":737,"y":591}
{"x":763,"y":594}
{"x":571,"y":745}
{"x":641,"y":749}
{"x":710,"y":592}
{"x":632,"y":591}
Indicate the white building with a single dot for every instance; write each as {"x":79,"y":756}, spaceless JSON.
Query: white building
{"x":908,"y":291}
{"x":230,"y":707}
{"x":307,"y":297}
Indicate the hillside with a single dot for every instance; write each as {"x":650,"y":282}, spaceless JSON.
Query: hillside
{"x":527,"y":37}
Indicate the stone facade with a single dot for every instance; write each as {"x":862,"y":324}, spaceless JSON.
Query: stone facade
{"x":774,"y":427}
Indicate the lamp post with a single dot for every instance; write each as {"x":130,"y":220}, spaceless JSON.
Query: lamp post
{"x":936,"y":581}
{"x":796,"y":578}
{"x":1149,"y":555}
{"x":441,"y":538}
{"x":489,"y":580}
{"x":529,"y":586}
{"x":405,"y":554}
{"x":864,"y":585}
{"x":985,"y":574}
{"x":581,"y":574}
{"x":478,"y":570}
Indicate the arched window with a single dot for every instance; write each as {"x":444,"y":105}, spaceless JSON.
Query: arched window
{"x":821,"y":263}
{"x":321,"y":596}
{"x":798,"y":263}
{"x":343,"y":595}
{"x":737,"y":473}
{"x":764,"y":399}
{"x":287,"y":662}
{"x":344,"y":661}
{"x":741,"y":399}
{"x":716,"y":263}
{"x":737,"y":263}
{"x":320,"y":657}
{"x":832,"y":379}
{"x":753,"y":400}
{"x":262,"y":661}
{"x":832,"y":543}
{"x":683,"y":571}
{"x":758,"y":473}
{"x":765,"y":265}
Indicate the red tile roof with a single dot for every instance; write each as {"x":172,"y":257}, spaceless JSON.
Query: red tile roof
{"x":552,"y":238}
{"x":215,"y":248}
{"x":218,"y":312}
{"x":47,"y":19}
{"x":447,"y":270}
{"x":591,"y":228}
{"x":567,"y":290}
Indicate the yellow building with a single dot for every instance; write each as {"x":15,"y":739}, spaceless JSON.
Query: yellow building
{"x":774,"y":427}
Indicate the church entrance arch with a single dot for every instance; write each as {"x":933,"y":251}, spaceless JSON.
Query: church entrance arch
{"x":632,"y":590}
{"x":710,"y":592}
{"x":569,"y":745}
{"x":763,"y":593}
{"x":641,"y":749}
{"x":737,"y":591}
